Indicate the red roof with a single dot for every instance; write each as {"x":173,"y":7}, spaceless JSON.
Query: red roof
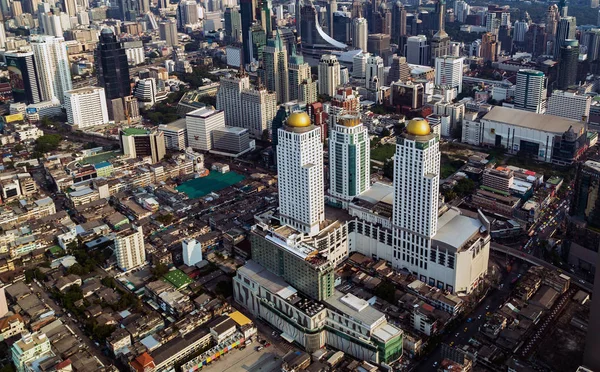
{"x":142,"y":362}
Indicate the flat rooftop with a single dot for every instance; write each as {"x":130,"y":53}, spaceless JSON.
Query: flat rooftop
{"x":203,"y":112}
{"x":263,"y":277}
{"x":531,"y":120}
{"x":379,"y":192}
{"x":175,"y":126}
{"x":352,"y":306}
{"x":455,"y":229}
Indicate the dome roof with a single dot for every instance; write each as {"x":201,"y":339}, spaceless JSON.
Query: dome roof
{"x":298,"y":119}
{"x":418,"y":127}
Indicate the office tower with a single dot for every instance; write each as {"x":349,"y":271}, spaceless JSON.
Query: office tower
{"x":329,"y":74}
{"x":143,"y":6}
{"x":300,"y":171}
{"x":168,"y":32}
{"x":379,"y":44}
{"x":258,"y":41}
{"x":299,"y":72}
{"x":360,"y":33}
{"x":50,"y":24}
{"x":233,"y":25}
{"x":566,"y":29}
{"x":552,"y":19}
{"x":86,"y":107}
{"x":536,"y":40}
{"x":199,"y":125}
{"x":111,"y":66}
{"x":70,"y":7}
{"x":563,"y":8}
{"x":591,"y":39}
{"x":23,"y":75}
{"x":129,"y":247}
{"x":359,"y":65}
{"x":489,"y":47}
{"x":521,"y":28}
{"x":265,"y":16}
{"x":308,"y":92}
{"x":349,"y":158}
{"x":570,"y":105}
{"x":275,"y":64}
{"x":248,"y":15}
{"x":52,"y":62}
{"x":461,"y":10}
{"x":30,"y":348}
{"x":449,"y":72}
{"x":567,"y":64}
{"x":417,"y":50}
{"x":259,"y":107}
{"x":16,"y":8}
{"x":2,"y":36}
{"x":440,"y":42}
{"x":187,"y":14}
{"x":145,"y":90}
{"x":331,"y":8}
{"x":374,"y":74}
{"x":398,"y":22}
{"x":399,"y":70}
{"x":345,"y":101}
{"x":191,"y":251}
{"x":229,"y":98}
{"x":530,"y":91}
{"x":140,"y":143}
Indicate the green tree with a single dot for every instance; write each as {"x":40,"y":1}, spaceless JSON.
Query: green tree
{"x":109,"y":282}
{"x":224,"y":288}
{"x":165,"y":219}
{"x":385,"y":132}
{"x":464,"y":187}
{"x":18,"y":147}
{"x":159,"y":270}
{"x":47,"y":143}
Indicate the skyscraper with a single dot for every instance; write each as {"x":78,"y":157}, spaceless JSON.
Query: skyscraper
{"x":521,"y":28}
{"x":86,"y":107}
{"x":233,"y":25}
{"x":349,"y":157}
{"x":23,"y":76}
{"x":187,"y":14}
{"x":300,"y":169}
{"x":530,"y":92}
{"x":248,"y":15}
{"x":229,"y":97}
{"x":259,"y":107}
{"x":567,"y":64}
{"x":360,"y":33}
{"x":299,"y":72}
{"x":569,"y":105}
{"x":168,"y":32}
{"x":440,"y":42}
{"x":398,"y":22}
{"x":374,"y":73}
{"x":417,"y":50}
{"x":566,"y":29}
{"x":489,"y":47}
{"x":111,"y":66}
{"x":199,"y":125}
{"x":275,"y":64}
{"x":329,"y":74}
{"x":129,"y":247}
{"x":50,"y":54}
{"x":449,"y":72}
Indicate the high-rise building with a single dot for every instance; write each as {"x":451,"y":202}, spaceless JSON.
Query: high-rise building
{"x":461,"y":10}
{"x":199,"y":125}
{"x":2,"y":36}
{"x":591,"y":39}
{"x":259,"y":107}
{"x":299,"y":72}
{"x":399,"y":70}
{"x":359,"y":65}
{"x":521,"y":28}
{"x":398,"y":22}
{"x":139,"y":143}
{"x":489,"y":47}
{"x":449,"y":72}
{"x":329,"y":74}
{"x":360,"y":33}
{"x":24,"y":76}
{"x":440,"y":42}
{"x":111,"y":66}
{"x":308,"y":92}
{"x":86,"y":107}
{"x":129,"y":247}
{"x":567,"y":65}
{"x":175,"y":135}
{"x":552,"y":19}
{"x":417,"y":50}
{"x":233,"y":25}
{"x":374,"y":74}
{"x":248,"y":15}
{"x":275,"y":64}
{"x":349,"y":158}
{"x":187,"y":14}
{"x":566,"y":30}
{"x":229,"y":98}
{"x":191,"y":251}
{"x":168,"y":32}
{"x":300,"y":169}
{"x":52,"y":62}
{"x":531,"y":91}
{"x":379,"y":44}
{"x":569,"y":104}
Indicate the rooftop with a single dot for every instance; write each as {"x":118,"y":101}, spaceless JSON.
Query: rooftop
{"x":134,"y":131}
{"x":455,"y":229}
{"x":367,"y":315}
{"x":531,"y":120}
{"x":379,"y":192}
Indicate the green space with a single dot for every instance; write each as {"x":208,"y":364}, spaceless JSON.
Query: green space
{"x":56,"y":250}
{"x":178,"y":279}
{"x":215,"y":181}
{"x":383,"y":152}
{"x":96,"y":159}
{"x":449,"y":166}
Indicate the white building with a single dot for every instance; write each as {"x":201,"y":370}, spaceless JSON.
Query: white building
{"x":349,"y":158}
{"x":52,"y":62}
{"x":175,"y":135}
{"x":417,"y":50}
{"x":521,"y":28}
{"x":449,"y":71}
{"x":374,"y":74}
{"x":530,"y":91}
{"x":259,"y":107}
{"x":30,"y":348}
{"x":135,"y":52}
{"x":129,"y":247}
{"x":359,"y":65}
{"x":145,"y":91}
{"x":86,"y":107}
{"x":360,"y":33}
{"x":229,"y":98}
{"x":569,"y":105}
{"x":168,"y":32}
{"x":199,"y":125}
{"x":192,"y":251}
{"x":300,"y":168}
{"x":329,"y":74}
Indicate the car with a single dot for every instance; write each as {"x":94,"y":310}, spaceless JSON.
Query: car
{"x":267,"y":344}
{"x":435,"y":364}
{"x":582,"y":281}
{"x":479,"y":317}
{"x":487,"y":307}
{"x":258,"y":348}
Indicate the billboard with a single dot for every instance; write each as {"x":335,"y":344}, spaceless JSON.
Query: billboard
{"x":13,"y":118}
{"x":20,"y":81}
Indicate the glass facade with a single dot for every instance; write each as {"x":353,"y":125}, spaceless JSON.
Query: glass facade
{"x":112,"y":66}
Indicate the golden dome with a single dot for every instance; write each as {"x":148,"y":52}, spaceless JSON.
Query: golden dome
{"x":418,"y":127}
{"x":298,"y":119}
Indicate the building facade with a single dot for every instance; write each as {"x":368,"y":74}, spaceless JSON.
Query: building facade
{"x":199,"y":126}
{"x":129,"y":247}
{"x":86,"y":107}
{"x":531,"y":92}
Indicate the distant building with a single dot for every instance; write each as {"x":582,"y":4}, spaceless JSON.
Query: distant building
{"x":200,"y":124}
{"x":175,"y":134}
{"x":192,"y":251}
{"x":141,"y":142}
{"x":86,"y":107}
{"x":449,"y":72}
{"x":570,"y":105}
{"x":129,"y":247}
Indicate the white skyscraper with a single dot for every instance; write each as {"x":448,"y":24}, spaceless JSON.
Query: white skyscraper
{"x":199,"y":125}
{"x":521,"y":28}
{"x":462,"y":10}
{"x":229,"y":98}
{"x":129,"y":247}
{"x":417,"y":50}
{"x":86,"y":107}
{"x":192,"y":251}
{"x":2,"y":36}
{"x":569,"y":105}
{"x":349,"y":158}
{"x":259,"y":107}
{"x":374,"y":74}
{"x":530,"y":91}
{"x":359,"y":65}
{"x":360,"y":33}
{"x":449,"y":71}
{"x":300,"y":169}
{"x":329,"y":74}
{"x":52,"y":62}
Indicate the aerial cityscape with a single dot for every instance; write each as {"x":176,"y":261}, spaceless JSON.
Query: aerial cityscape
{"x":300,"y":185}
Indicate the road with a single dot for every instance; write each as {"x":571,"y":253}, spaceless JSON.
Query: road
{"x":83,"y":137}
{"x":91,"y":347}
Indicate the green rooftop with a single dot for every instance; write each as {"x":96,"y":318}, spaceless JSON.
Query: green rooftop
{"x":134,"y":131}
{"x":496,"y":191}
{"x":100,"y":158}
{"x":178,"y":279}
{"x":215,"y":181}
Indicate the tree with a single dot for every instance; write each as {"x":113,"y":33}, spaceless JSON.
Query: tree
{"x":109,"y":282}
{"x":47,"y":143}
{"x":464,"y":187}
{"x":387,"y":291}
{"x":388,"y":169}
{"x":165,"y":219}
{"x":159,"y":270}
{"x":18,"y":147}
{"x":385,"y":132}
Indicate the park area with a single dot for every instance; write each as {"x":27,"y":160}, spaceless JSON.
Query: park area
{"x":215,"y":181}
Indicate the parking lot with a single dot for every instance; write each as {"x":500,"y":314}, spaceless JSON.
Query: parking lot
{"x":266,"y":360}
